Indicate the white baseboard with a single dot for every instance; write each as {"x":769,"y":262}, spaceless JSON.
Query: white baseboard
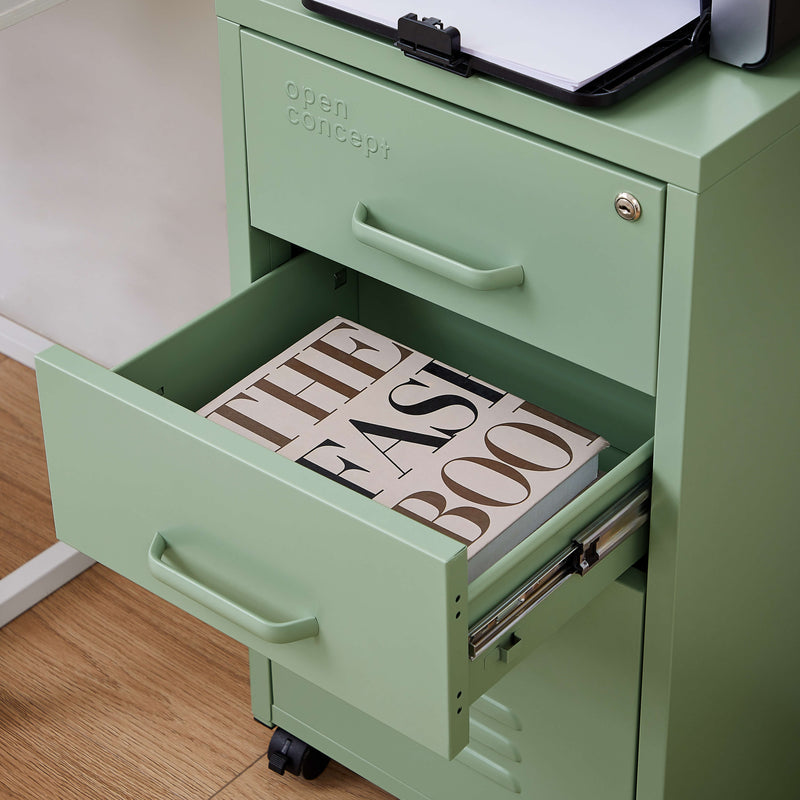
{"x":19,"y":343}
{"x":39,"y":577}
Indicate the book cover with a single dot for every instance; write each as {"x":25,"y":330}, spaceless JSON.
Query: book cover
{"x":463,"y":457}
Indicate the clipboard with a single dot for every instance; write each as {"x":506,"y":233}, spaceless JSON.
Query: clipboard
{"x":446,"y":45}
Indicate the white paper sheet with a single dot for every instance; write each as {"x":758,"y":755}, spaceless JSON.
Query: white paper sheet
{"x":567,"y":43}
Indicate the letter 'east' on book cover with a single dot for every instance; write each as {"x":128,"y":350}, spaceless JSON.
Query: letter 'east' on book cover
{"x":440,"y":446}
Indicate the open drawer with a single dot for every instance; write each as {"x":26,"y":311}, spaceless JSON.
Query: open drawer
{"x":363,"y":602}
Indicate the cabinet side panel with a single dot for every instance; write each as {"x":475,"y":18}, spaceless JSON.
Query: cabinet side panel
{"x":732,"y":695}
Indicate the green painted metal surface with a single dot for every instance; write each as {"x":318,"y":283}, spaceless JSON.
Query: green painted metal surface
{"x":253,"y":527}
{"x":303,"y":571}
{"x":721,"y":700}
{"x":326,"y":144}
{"x":261,"y":687}
{"x":690,"y":128}
{"x":253,"y":252}
{"x":561,"y":726}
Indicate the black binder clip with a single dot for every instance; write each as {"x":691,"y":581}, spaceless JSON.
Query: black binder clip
{"x":428,"y":40}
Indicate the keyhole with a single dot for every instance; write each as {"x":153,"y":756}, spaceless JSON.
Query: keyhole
{"x":627,"y":207}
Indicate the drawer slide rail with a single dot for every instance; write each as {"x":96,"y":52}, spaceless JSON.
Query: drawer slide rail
{"x":596,"y":541}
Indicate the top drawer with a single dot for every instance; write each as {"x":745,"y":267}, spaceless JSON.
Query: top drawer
{"x":449,"y":206}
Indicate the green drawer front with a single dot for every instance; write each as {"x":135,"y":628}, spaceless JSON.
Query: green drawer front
{"x":359,"y":600}
{"x":445,"y":205}
{"x":253,"y":529}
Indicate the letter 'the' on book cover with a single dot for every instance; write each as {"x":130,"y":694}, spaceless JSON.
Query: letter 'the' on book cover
{"x":437,"y":445}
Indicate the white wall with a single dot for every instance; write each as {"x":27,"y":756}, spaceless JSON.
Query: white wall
{"x":112,"y":208}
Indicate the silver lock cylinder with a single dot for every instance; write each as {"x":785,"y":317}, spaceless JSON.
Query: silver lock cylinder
{"x":627,"y":206}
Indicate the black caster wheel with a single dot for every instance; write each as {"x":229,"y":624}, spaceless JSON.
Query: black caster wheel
{"x":287,"y":753}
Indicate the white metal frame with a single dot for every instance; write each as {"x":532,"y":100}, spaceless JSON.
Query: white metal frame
{"x":39,"y":577}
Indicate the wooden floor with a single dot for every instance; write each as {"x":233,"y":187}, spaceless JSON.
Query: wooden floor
{"x":26,"y":521}
{"x":107,"y":691}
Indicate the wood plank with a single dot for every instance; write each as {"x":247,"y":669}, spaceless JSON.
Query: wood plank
{"x":108,"y":692}
{"x":26,"y":519}
{"x":336,"y":783}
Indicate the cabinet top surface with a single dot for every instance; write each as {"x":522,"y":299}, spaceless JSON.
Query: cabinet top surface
{"x":689,"y":128}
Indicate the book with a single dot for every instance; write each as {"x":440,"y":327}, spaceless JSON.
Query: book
{"x":458,"y":455}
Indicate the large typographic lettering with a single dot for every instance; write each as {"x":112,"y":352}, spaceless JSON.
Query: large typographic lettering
{"x":494,"y":478}
{"x":311,"y":385}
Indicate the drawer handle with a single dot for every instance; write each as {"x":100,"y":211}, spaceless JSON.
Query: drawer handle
{"x":497,"y":278}
{"x":276,"y":632}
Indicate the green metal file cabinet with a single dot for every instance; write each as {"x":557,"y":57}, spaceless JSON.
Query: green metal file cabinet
{"x":476,"y":222}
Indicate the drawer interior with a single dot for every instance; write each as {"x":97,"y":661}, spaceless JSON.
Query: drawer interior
{"x":198,"y":362}
{"x":622,"y":415}
{"x":129,"y":460}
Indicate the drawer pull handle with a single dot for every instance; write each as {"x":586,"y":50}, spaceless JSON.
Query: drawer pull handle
{"x":276,"y":632}
{"x":497,"y":278}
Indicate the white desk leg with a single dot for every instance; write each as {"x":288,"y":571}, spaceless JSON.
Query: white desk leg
{"x":39,"y":577}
